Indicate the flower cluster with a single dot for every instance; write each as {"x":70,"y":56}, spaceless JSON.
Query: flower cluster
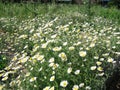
{"x":59,"y":54}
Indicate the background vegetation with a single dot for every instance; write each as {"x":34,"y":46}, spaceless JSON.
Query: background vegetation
{"x":51,"y":44}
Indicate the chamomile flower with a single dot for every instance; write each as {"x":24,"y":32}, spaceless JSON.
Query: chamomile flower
{"x":63,"y":56}
{"x":71,"y":48}
{"x":93,"y":68}
{"x":5,"y":78}
{"x":81,"y":85}
{"x":87,"y":88}
{"x":64,"y":83}
{"x":110,"y":60}
{"x":65,"y":43}
{"x":69,"y":70}
{"x":52,"y":88}
{"x":57,"y":48}
{"x":75,"y":87}
{"x":77,"y":72}
{"x":1,"y":87}
{"x":51,"y":60}
{"x":98,"y":63}
{"x":33,"y":79}
{"x":46,"y":88}
{"x":82,"y":53}
{"x":52,"y":78}
{"x":100,"y":68}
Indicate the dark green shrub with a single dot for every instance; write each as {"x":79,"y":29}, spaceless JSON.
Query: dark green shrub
{"x":3,"y":61}
{"x":115,"y":3}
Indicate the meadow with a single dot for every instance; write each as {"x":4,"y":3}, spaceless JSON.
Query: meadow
{"x":58,"y":47}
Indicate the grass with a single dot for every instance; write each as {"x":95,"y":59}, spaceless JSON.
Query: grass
{"x":58,"y":47}
{"x":25,"y":10}
{"x":109,"y":13}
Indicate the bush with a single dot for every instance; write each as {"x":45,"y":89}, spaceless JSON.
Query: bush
{"x":3,"y":61}
{"x":115,"y":3}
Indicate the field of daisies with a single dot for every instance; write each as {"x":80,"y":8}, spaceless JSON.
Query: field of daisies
{"x":58,"y":52}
